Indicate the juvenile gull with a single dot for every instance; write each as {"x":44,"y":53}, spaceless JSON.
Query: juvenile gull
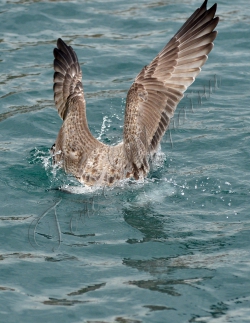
{"x":150,"y":104}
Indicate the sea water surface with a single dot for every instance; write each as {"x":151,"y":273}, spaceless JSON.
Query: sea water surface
{"x":174,"y":248}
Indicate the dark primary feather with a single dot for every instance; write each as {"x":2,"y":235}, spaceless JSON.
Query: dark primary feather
{"x":67,"y":77}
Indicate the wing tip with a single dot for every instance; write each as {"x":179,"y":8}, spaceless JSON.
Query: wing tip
{"x":204,"y":5}
{"x":60,"y":43}
{"x":67,"y":76}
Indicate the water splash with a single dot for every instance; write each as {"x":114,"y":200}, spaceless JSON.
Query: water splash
{"x":104,"y":126}
{"x":190,"y":102}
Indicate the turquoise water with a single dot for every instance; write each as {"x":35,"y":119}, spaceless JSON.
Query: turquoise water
{"x":172,"y":249}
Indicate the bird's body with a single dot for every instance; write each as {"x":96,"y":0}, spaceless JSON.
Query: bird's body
{"x":150,"y":104}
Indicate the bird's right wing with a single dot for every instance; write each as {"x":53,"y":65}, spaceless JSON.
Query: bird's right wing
{"x":158,"y":88}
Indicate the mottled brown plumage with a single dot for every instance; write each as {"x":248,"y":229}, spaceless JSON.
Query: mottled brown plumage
{"x":151,"y":102}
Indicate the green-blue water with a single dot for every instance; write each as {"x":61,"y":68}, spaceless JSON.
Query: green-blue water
{"x":172,"y":249}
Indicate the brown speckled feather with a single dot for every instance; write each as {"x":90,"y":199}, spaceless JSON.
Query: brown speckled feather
{"x":150,"y":104}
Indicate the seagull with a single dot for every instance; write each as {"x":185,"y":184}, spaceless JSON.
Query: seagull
{"x":150,"y":104}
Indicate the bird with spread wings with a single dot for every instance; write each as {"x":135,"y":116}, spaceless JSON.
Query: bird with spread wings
{"x":150,"y":104}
